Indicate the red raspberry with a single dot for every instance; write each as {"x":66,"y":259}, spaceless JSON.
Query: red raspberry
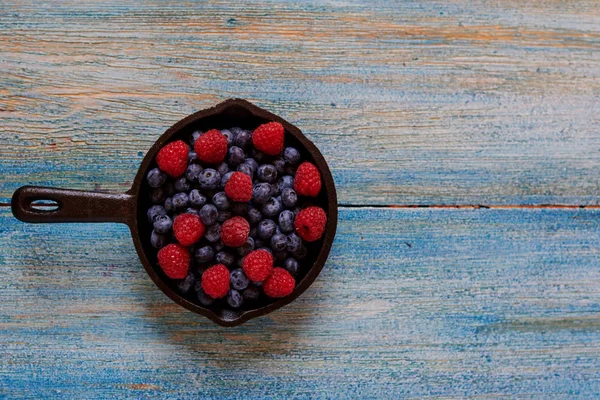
{"x":174,"y":260}
{"x":268,"y":138}
{"x":211,"y":147}
{"x":234,"y":231}
{"x":188,"y":229}
{"x":239,"y":187}
{"x":307,"y":181}
{"x":257,"y":265}
{"x":310,"y":223}
{"x":215,"y":281}
{"x":279,"y":284}
{"x":173,"y":158}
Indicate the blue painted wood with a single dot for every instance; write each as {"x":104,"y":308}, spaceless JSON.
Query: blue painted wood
{"x":411,"y":102}
{"x":412,"y":303}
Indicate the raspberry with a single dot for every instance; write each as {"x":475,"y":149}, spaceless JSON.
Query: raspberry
{"x":257,"y":265}
{"x":279,"y":284}
{"x":310,"y":223}
{"x":174,"y":260}
{"x":268,"y":138}
{"x":239,"y":187}
{"x":173,"y":158}
{"x":211,"y":147}
{"x":308,"y":180}
{"x":234,"y":231}
{"x":188,"y":229}
{"x":215,"y":281}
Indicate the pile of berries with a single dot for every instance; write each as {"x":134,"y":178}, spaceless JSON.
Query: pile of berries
{"x":232,"y":213}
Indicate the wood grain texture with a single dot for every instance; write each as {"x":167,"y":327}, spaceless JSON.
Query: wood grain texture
{"x":412,"y":303}
{"x":411,"y":102}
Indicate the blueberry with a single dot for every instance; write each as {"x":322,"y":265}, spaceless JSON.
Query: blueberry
{"x":235,"y":156}
{"x":252,"y":232}
{"x":292,"y":156}
{"x":242,"y":137}
{"x":251,"y":293}
{"x":229,"y":135}
{"x":266,"y":249}
{"x":157,"y":195}
{"x":169,"y":188}
{"x":301,"y":253}
{"x":219,"y":245}
{"x":254,"y":216}
{"x":221,"y":201}
{"x":192,"y":172}
{"x":156,"y":178}
{"x":259,"y":243}
{"x":209,"y":214}
{"x":279,"y":256}
{"x":227,"y":259}
{"x":186,"y":284}
{"x":294,"y":242}
{"x":204,"y":299}
{"x":191,"y":210}
{"x":266,"y":229}
{"x":234,"y":298}
{"x":222,"y":168}
{"x":271,"y":207}
{"x":169,"y":205}
{"x":192,"y":157}
{"x":239,"y":209}
{"x":225,"y":178}
{"x":157,"y":240}
{"x":196,"y":198}
{"x":182,"y":185}
{"x":261,"y":193}
{"x":258,"y":155}
{"x":238,"y":279}
{"x":286,"y":221}
{"x":278,"y":242}
{"x":275,"y":190}
{"x":289,"y":197}
{"x":213,"y":233}
{"x":291,"y":265}
{"x":296,"y":210}
{"x":224,"y":216}
{"x":209,"y":179}
{"x":194,"y":136}
{"x":155,"y":211}
{"x":246,"y":169}
{"x":267,"y":173}
{"x":246,"y":247}
{"x":286,"y":181}
{"x":252,"y":163}
{"x":180,"y":200}
{"x":204,"y":254}
{"x":162,"y":224}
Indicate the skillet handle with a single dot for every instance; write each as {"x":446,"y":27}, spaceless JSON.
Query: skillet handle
{"x":72,"y":206}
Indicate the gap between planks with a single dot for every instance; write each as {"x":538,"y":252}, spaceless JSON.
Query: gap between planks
{"x":478,"y":206}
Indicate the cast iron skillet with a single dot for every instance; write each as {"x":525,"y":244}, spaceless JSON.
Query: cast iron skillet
{"x":130,"y":207}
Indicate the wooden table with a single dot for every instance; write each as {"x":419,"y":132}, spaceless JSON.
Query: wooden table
{"x":439,"y":105}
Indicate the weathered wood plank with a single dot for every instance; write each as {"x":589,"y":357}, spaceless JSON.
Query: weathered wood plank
{"x":410,"y":102}
{"x":439,"y":303}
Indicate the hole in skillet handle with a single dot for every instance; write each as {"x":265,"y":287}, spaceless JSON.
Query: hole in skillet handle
{"x":231,"y":113}
{"x":44,"y":205}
